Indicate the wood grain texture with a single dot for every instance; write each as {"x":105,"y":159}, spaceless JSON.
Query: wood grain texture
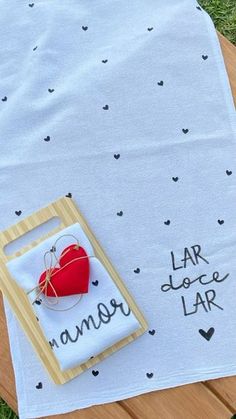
{"x":213,"y":400}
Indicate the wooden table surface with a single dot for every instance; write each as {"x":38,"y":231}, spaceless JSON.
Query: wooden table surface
{"x":214,"y":399}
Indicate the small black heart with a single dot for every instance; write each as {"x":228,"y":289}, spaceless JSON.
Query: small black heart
{"x":4,"y":99}
{"x":51,"y":90}
{"x":204,"y":57}
{"x":167,"y":222}
{"x":160,"y":83}
{"x":95,"y":372}
{"x":38,"y":302}
{"x":207,"y":335}
{"x":69,"y":195}
{"x":185,"y":130}
{"x":53,"y":249}
{"x":175,"y":179}
{"x":34,"y":49}
{"x":120,"y":213}
{"x":47,"y":138}
{"x":37,"y":319}
{"x":198,"y":7}
{"x":149,"y":29}
{"x":116,"y":156}
{"x":85,"y":28}
{"x":220,"y":222}
{"x":229,"y":172}
{"x":95,"y":283}
{"x":149,"y":374}
{"x":18,"y":213}
{"x":106,"y":107}
{"x":31,"y":4}
{"x":137,"y":271}
{"x":152,"y":332}
{"x":104,"y":61}
{"x":39,"y":386}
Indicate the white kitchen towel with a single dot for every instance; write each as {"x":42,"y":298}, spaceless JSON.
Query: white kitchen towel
{"x":127,"y":106}
{"x":101,"y":317}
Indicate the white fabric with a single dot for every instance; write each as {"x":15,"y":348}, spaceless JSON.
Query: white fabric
{"x":26,"y":271}
{"x":143,"y":123}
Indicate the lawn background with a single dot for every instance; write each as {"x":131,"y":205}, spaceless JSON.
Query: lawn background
{"x":223,"y":14}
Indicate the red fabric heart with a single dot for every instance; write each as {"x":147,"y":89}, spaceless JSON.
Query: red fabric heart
{"x":72,"y":275}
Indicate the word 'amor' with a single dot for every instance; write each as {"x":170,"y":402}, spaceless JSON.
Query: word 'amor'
{"x":193,"y":257}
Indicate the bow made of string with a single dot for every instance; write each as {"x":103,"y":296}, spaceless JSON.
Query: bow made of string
{"x":49,"y":274}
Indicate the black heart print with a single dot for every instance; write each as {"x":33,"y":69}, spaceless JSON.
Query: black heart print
{"x":185,"y":130}
{"x":39,"y":386}
{"x":50,"y":90}
{"x":47,"y":138}
{"x":220,"y":222}
{"x":34,"y":49}
{"x":85,"y":28}
{"x":69,"y":195}
{"x":207,"y":335}
{"x":106,"y":107}
{"x":137,"y":271}
{"x":175,"y":178}
{"x":95,"y":372}
{"x":149,"y":29}
{"x":229,"y":172}
{"x":95,"y":283}
{"x":152,"y":332}
{"x":31,"y":4}
{"x":167,"y":222}
{"x":104,"y":61}
{"x":18,"y":213}
{"x":160,"y":83}
{"x":149,"y":374}
{"x":4,"y":99}
{"x":198,"y":7}
{"x":204,"y":57}
{"x":116,"y":156}
{"x":120,"y":213}
{"x":38,"y":302}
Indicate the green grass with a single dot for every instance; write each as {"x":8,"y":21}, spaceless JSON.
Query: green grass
{"x":223,"y":14}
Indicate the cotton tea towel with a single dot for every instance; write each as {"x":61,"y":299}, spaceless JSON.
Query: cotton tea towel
{"x":127,"y":106}
{"x":77,"y":328}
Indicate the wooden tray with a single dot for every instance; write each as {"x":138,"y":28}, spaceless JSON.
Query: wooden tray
{"x":69,"y":214}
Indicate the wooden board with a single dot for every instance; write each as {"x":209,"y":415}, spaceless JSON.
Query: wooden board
{"x":68,"y":214}
{"x":213,"y":399}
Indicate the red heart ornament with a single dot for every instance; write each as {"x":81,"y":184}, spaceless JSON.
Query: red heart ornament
{"x":72,"y":275}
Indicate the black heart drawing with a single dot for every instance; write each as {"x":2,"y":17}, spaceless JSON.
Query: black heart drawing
{"x":95,"y":372}
{"x":104,"y":61}
{"x":37,"y":319}
{"x":229,"y":172}
{"x":167,"y":222}
{"x":160,"y":83}
{"x":207,"y":335}
{"x":116,"y":156}
{"x":120,"y":213}
{"x":204,"y":57}
{"x":149,"y":374}
{"x":137,"y":271}
{"x":39,"y":386}
{"x":185,"y":130}
{"x":50,"y":90}
{"x":18,"y":213}
{"x":34,"y":49}
{"x":31,"y":4}
{"x":4,"y":99}
{"x":149,"y":29}
{"x":69,"y":195}
{"x":220,"y":222}
{"x":47,"y":138}
{"x":175,"y":179}
{"x":85,"y":28}
{"x":198,"y":7}
{"x":152,"y":332}
{"x":38,"y":302}
{"x":95,"y":283}
{"x":106,"y":107}
{"x":53,"y":249}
